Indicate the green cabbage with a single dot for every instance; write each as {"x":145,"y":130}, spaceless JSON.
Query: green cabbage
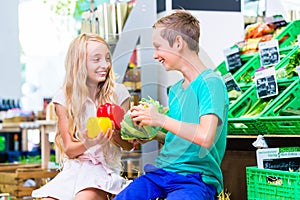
{"x":130,"y":131}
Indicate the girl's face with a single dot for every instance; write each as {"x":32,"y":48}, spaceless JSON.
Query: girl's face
{"x":165,"y":54}
{"x":98,"y":62}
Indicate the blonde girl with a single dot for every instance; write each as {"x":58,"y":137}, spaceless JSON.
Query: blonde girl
{"x":90,"y":167}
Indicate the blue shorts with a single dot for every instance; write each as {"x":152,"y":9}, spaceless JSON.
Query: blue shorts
{"x":158,"y":183}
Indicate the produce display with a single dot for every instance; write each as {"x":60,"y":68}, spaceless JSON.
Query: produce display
{"x":279,"y":114}
{"x":130,"y":131}
{"x":290,"y":68}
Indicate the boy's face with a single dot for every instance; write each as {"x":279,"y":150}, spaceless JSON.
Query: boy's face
{"x":98,"y":62}
{"x":165,"y":54}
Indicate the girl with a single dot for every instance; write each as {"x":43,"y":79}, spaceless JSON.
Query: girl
{"x":91,"y":167}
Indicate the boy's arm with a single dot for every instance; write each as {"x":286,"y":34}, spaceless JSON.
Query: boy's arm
{"x":160,"y":137}
{"x":202,"y":134}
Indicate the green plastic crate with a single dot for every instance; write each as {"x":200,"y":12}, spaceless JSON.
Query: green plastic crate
{"x":245,"y":74}
{"x":250,"y":99}
{"x":289,"y":34}
{"x":244,"y":126}
{"x":269,"y":184}
{"x":284,"y":61}
{"x":222,"y":68}
{"x":238,"y":123}
{"x":289,"y":98}
{"x":288,"y":125}
{"x":271,"y":122}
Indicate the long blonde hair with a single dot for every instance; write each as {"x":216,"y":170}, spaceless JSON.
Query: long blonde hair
{"x":75,"y":87}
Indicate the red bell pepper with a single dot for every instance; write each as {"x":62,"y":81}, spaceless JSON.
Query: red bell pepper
{"x":114,"y":112}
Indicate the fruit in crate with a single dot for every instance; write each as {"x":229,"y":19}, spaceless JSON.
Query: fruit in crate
{"x":95,"y":125}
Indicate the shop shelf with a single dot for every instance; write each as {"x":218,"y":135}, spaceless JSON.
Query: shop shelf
{"x":245,"y":74}
{"x":289,"y":34}
{"x":266,"y":184}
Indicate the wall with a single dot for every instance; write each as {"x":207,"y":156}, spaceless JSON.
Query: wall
{"x":10,"y":69}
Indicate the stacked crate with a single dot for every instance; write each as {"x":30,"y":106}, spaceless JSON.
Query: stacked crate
{"x":13,"y":179}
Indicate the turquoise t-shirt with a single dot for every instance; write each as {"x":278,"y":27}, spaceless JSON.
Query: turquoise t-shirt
{"x":207,"y":94}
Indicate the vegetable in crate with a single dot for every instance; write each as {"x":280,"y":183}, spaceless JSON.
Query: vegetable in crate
{"x":290,"y":69}
{"x":130,"y":131}
{"x":113,"y":112}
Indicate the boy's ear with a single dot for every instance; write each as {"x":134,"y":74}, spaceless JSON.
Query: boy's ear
{"x":178,"y":41}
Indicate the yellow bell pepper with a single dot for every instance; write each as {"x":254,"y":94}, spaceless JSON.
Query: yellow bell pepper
{"x":96,"y":124}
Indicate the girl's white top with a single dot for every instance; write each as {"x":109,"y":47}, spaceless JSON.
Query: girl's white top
{"x":99,"y":167}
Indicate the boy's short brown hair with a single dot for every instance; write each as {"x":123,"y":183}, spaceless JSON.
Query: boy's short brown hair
{"x":182,"y":23}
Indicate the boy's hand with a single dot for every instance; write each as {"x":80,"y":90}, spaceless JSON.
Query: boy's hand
{"x":146,"y":115}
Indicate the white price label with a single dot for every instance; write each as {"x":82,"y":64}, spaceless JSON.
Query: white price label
{"x":266,"y":83}
{"x":298,"y":70}
{"x":269,"y":53}
{"x":298,"y":39}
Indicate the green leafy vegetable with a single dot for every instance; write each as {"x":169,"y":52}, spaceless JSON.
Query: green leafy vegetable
{"x":130,"y":131}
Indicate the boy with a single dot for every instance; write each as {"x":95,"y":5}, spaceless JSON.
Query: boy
{"x":188,"y":166}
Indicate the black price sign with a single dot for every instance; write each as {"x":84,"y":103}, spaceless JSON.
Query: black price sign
{"x":269,"y":53}
{"x":278,"y":20}
{"x":233,"y":58}
{"x":230,"y":83}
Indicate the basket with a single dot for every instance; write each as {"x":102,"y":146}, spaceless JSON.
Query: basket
{"x":13,"y":178}
{"x":266,"y":184}
{"x":289,"y":34}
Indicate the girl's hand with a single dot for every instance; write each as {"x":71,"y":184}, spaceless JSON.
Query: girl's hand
{"x":146,"y":115}
{"x":101,"y":138}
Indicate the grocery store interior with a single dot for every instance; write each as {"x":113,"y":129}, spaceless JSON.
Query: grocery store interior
{"x":252,"y":44}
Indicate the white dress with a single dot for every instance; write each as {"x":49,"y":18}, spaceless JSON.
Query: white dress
{"x":90,"y":170}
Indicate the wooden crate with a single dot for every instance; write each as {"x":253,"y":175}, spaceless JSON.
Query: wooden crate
{"x":13,"y":177}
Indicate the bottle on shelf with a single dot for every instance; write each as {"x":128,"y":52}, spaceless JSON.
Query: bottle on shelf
{"x":16,"y":142}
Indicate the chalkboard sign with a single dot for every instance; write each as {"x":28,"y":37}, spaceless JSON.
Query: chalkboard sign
{"x":231,"y":83}
{"x":277,"y":20}
{"x":286,"y":164}
{"x":233,"y":59}
{"x":269,"y":53}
